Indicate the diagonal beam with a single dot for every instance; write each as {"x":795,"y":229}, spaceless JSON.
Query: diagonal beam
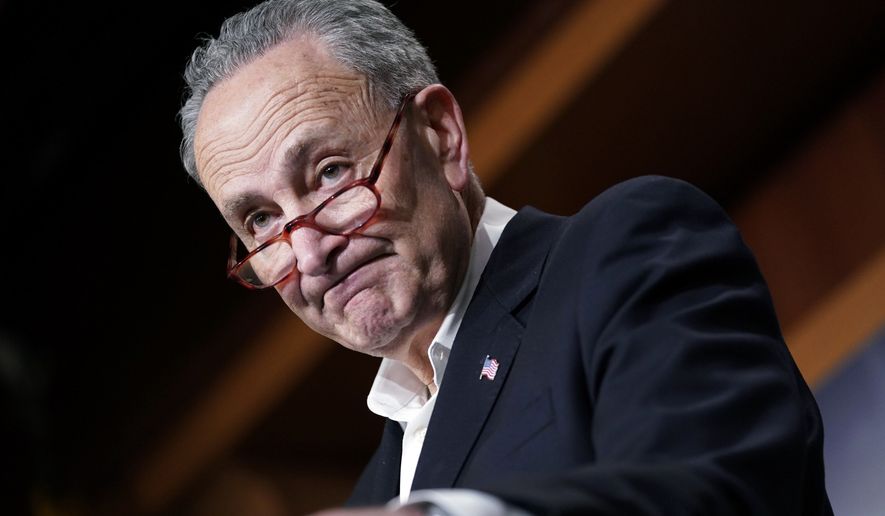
{"x":256,"y":382}
{"x":552,"y":74}
{"x":838,"y":326}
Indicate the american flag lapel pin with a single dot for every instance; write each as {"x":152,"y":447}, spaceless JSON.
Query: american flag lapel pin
{"x":489,"y":368}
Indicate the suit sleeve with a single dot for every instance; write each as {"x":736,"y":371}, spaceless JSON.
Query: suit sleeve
{"x":697,"y":406}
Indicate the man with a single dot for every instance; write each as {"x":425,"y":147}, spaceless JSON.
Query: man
{"x":626,"y":360}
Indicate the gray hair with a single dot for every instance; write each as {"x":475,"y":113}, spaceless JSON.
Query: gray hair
{"x":362,"y":34}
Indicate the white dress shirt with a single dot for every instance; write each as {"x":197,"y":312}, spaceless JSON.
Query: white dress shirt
{"x":399,"y":395}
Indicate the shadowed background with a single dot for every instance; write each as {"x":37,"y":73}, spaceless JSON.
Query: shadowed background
{"x":137,"y":380}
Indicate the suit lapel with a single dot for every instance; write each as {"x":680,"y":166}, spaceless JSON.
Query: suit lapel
{"x":380,"y":479}
{"x":489,"y":329}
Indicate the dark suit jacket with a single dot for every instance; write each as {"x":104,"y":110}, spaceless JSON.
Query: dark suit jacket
{"x":642,"y":371}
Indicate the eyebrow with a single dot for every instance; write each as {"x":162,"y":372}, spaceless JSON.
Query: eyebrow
{"x":293,"y":161}
{"x":236,"y":206}
{"x":298,"y":154}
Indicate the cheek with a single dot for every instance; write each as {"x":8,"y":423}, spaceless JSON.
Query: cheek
{"x":405,"y":181}
{"x":399,"y":198}
{"x":289,"y":291}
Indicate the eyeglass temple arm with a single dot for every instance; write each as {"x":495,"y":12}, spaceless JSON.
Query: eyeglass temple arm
{"x":389,"y":139}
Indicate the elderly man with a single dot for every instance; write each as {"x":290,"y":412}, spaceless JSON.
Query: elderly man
{"x":626,"y":360}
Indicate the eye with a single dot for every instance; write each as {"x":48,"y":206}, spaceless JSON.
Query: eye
{"x":260,"y":223}
{"x":334,"y":174}
{"x":331,"y":172}
{"x":260,"y":220}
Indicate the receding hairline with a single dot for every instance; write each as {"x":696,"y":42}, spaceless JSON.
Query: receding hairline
{"x":314,"y":50}
{"x":362,"y":35}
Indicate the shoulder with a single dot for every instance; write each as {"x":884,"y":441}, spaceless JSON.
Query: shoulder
{"x":637,"y":218}
{"x":649,"y":199}
{"x":647,"y":228}
{"x":649,"y":207}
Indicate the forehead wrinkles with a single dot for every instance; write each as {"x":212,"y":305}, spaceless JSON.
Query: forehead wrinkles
{"x":290,"y":106}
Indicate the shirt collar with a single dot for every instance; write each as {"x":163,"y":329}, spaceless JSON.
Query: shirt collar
{"x":397,"y":393}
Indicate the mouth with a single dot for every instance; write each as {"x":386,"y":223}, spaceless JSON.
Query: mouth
{"x":360,"y":277}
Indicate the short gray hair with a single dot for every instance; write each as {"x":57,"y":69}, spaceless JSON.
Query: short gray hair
{"x":362,"y":34}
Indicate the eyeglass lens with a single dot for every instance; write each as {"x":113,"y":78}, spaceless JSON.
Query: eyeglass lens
{"x":340,"y":215}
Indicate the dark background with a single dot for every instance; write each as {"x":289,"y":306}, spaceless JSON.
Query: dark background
{"x":116,"y":311}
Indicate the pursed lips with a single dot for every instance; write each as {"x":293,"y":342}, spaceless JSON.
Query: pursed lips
{"x":337,"y":290}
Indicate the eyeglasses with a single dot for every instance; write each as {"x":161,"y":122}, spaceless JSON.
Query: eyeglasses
{"x":345,"y":212}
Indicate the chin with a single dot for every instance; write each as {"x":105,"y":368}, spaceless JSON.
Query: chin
{"x":374,"y":325}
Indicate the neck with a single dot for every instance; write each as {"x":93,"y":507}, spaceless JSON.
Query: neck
{"x":416,"y":358}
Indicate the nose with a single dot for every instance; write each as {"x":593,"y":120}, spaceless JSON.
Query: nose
{"x":315,"y":251}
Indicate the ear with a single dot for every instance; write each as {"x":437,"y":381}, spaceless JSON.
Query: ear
{"x":446,"y":133}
